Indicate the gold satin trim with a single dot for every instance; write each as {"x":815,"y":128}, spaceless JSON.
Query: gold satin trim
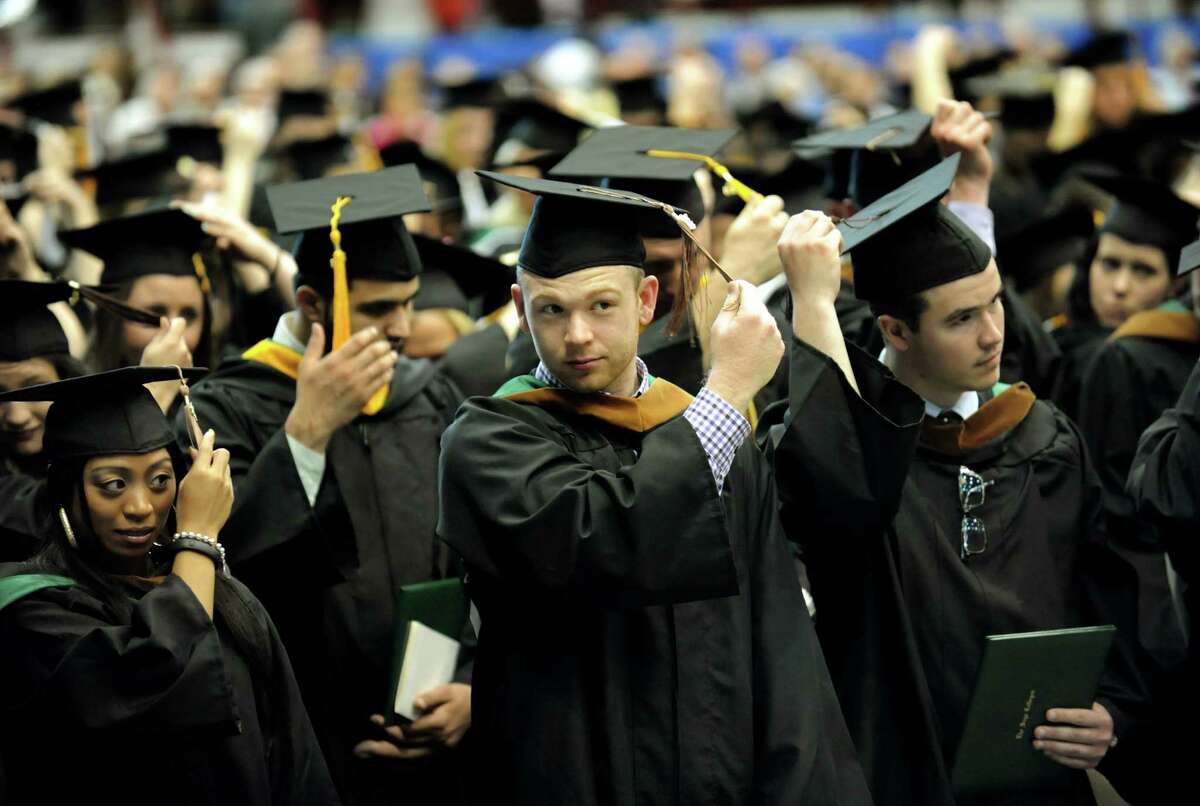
{"x":994,"y":419}
{"x":1159,"y":324}
{"x":662,"y":402}
{"x":281,"y":359}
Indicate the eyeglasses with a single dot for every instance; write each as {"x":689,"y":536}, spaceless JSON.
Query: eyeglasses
{"x":972,"y":490}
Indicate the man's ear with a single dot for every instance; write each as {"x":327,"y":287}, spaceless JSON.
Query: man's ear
{"x":647,"y":298}
{"x":310,"y":304}
{"x":896,"y":334}
{"x":519,"y":304}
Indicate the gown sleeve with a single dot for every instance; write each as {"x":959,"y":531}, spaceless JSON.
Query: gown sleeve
{"x":840,"y":458}
{"x":1165,"y":478}
{"x":272,"y":521}
{"x":520,"y":507}
{"x":23,"y":513}
{"x":162,"y":672}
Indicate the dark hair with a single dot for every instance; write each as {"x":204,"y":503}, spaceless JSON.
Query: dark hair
{"x":64,"y":489}
{"x":1079,"y":295}
{"x":907,"y":310}
{"x":108,"y":345}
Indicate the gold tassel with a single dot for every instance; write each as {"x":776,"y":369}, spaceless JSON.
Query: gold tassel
{"x":341,"y":299}
{"x":201,"y":273}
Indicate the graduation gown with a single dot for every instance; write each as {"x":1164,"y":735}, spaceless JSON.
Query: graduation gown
{"x":1164,"y":486}
{"x":643,"y":639}
{"x":1136,"y":376}
{"x":1079,"y":344}
{"x":871,"y":494}
{"x":329,"y":573}
{"x":477,"y":362}
{"x":23,"y":514}
{"x":158,"y":708}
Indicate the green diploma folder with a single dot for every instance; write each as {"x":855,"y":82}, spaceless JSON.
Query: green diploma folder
{"x":1022,"y":676}
{"x":441,"y":606}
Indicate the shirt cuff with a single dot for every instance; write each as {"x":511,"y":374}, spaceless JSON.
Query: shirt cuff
{"x":978,"y":217}
{"x":721,"y":429}
{"x":310,"y":466}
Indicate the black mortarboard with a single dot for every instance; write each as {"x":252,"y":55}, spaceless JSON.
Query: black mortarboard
{"x":27,"y":327}
{"x":908,"y":241}
{"x":29,"y":330}
{"x":374,"y":239}
{"x":961,"y":77}
{"x":18,"y":153}
{"x":1026,"y":96}
{"x":446,"y":193}
{"x":539,"y":125}
{"x":1038,"y":248}
{"x":619,"y":152}
{"x":138,"y":176}
{"x":54,"y":104}
{"x":885,"y":153}
{"x":302,"y":103}
{"x":198,"y":141}
{"x":475,"y":92}
{"x":1105,"y":47}
{"x":1148,"y":213}
{"x":313,"y":158}
{"x":640,"y":94}
{"x":160,"y":241}
{"x":575,"y":227}
{"x":106,"y":413}
{"x":472,"y":276}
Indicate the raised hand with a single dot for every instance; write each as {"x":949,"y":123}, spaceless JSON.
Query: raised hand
{"x":332,"y":389}
{"x":206,"y":492}
{"x":749,"y":251}
{"x":810,"y":249}
{"x":957,"y":127}
{"x":746,"y":346}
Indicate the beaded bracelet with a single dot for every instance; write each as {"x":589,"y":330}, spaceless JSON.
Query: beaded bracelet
{"x":203,"y":544}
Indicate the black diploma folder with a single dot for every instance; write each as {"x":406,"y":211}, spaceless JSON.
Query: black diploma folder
{"x":440,"y":605}
{"x":1022,"y":676}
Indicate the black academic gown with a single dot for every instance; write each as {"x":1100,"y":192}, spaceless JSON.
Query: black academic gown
{"x":901,"y":617}
{"x":23,"y":515}
{"x":328,"y":573}
{"x":643,"y":640}
{"x":1134,"y":377}
{"x":477,"y":362}
{"x":1079,"y":344}
{"x":159,"y":708}
{"x":1164,"y":485}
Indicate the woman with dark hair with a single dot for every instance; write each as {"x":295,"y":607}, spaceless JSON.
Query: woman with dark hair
{"x":125,"y":640}
{"x":154,"y":261}
{"x":33,"y":350}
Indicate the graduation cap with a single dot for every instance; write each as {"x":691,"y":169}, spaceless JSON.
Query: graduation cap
{"x":540,"y":125}
{"x":160,"y":241}
{"x":653,"y":161}
{"x":302,"y":104}
{"x":145,"y":175}
{"x":639,"y":95}
{"x":446,"y":193}
{"x":1026,"y":96}
{"x":961,"y":77}
{"x":54,"y":104}
{"x":199,"y":141}
{"x":105,"y":413}
{"x":1103,"y":48}
{"x":1035,"y":250}
{"x":18,"y":153}
{"x":908,"y":241}
{"x":474,"y":92}
{"x":313,"y":158}
{"x":884,"y":153}
{"x":1148,"y":213}
{"x":27,"y":327}
{"x":453,"y":275}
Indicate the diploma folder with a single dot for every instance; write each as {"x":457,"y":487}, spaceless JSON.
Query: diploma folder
{"x":1022,"y":676}
{"x":440,"y":606}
